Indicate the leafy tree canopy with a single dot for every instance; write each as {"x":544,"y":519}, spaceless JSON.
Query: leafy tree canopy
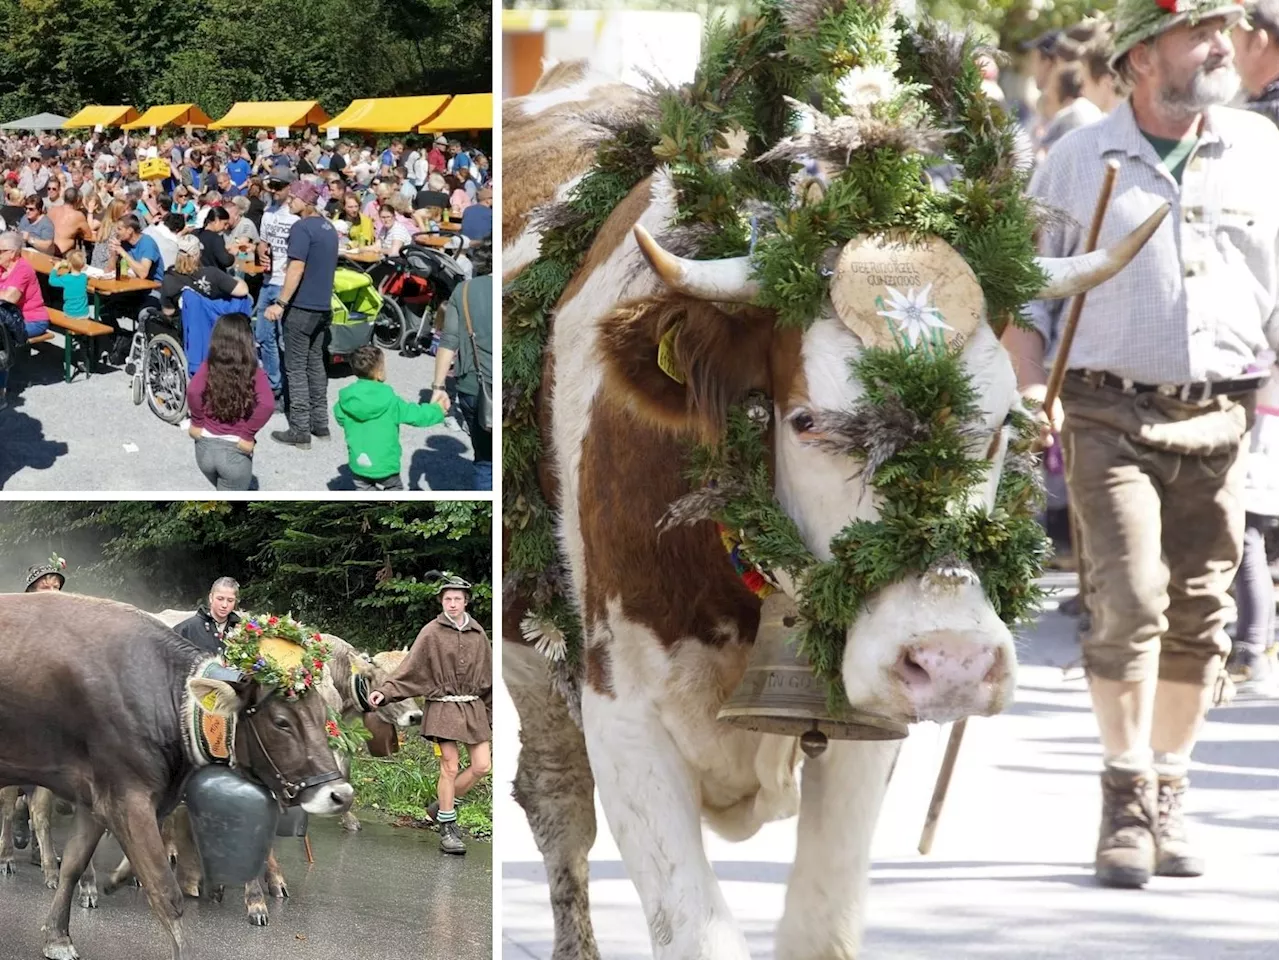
{"x":357,"y":570}
{"x":59,"y":55}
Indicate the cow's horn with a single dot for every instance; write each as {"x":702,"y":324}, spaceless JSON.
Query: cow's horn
{"x":725,"y":281}
{"x":1071,"y":275}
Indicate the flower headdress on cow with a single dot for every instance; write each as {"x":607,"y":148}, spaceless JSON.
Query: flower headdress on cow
{"x":277,"y":651}
{"x":55,"y":565}
{"x":850,"y":115}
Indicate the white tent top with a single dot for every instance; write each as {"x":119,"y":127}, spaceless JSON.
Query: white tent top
{"x":41,"y":121}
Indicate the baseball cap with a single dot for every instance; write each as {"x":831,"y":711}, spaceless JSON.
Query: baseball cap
{"x":278,"y":181}
{"x":189,"y":244}
{"x":441,"y":141}
{"x":306,"y":192}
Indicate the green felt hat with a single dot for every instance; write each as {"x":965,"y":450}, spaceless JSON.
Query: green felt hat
{"x":1137,"y":21}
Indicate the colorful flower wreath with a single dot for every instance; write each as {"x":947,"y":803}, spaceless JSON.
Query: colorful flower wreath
{"x":277,"y":652}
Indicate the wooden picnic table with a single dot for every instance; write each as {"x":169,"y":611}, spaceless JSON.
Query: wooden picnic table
{"x":99,"y":286}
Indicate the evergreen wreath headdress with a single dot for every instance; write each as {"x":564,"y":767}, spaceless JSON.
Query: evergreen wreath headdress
{"x":873,"y":109}
{"x":277,"y":651}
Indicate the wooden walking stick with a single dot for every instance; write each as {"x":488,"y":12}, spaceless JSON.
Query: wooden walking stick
{"x":1052,"y":389}
{"x":306,"y":843}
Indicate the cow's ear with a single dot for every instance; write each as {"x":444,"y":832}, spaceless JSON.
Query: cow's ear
{"x":680,"y":362}
{"x":217,"y":696}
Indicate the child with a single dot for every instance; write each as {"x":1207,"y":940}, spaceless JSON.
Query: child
{"x":75,"y":285}
{"x":370,"y":415}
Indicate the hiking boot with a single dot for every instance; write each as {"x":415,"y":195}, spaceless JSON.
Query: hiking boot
{"x":1126,"y":853}
{"x":1174,"y":856}
{"x":1253,"y":673}
{"x":300,"y":440}
{"x":451,"y":838}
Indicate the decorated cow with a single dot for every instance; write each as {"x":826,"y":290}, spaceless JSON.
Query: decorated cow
{"x":758,"y":394}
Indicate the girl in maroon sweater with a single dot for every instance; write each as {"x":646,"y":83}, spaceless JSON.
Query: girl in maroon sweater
{"x":230,"y":401}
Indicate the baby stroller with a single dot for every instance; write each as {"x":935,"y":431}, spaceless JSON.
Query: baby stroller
{"x":428,"y":279}
{"x":356,"y":308}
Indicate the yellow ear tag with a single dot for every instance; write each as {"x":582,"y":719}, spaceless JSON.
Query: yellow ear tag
{"x":667,"y":355}
{"x":209,"y":700}
{"x":355,"y":671}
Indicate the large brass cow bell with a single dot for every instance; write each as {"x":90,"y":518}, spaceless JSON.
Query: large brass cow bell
{"x":780,"y":693}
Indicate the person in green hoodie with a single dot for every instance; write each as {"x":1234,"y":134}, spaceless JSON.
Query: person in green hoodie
{"x":370,"y":414}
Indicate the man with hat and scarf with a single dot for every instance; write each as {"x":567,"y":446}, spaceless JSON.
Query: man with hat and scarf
{"x":1158,"y":398}
{"x":47,"y":576}
{"x":450,"y":665}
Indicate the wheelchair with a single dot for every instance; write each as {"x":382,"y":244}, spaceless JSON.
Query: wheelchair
{"x":157,"y":365}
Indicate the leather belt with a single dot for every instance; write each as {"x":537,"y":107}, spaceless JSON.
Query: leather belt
{"x":1186,"y":392}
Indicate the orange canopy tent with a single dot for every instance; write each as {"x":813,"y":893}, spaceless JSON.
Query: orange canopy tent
{"x":387,"y":114}
{"x":281,"y":113}
{"x":172,"y":115}
{"x":96,"y":116}
{"x":467,"y":111}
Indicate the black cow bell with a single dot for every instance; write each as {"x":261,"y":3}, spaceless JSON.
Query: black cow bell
{"x":292,"y":823}
{"x":233,"y":822}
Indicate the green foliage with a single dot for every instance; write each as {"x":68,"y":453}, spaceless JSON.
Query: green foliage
{"x":1008,"y":23}
{"x":60,"y":55}
{"x":351,"y":569}
{"x":405,"y":784}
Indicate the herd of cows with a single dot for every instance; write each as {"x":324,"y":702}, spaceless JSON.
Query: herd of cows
{"x":120,"y":760}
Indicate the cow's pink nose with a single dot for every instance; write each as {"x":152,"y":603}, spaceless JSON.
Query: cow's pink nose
{"x":946,"y":675}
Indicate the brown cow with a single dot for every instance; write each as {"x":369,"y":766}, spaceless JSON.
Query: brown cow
{"x":124,"y":753}
{"x":668,"y":624}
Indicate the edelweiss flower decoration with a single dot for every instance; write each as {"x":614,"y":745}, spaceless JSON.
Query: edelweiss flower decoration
{"x":549,"y":640}
{"x":913,"y":314}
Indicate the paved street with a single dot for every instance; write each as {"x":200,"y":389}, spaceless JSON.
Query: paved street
{"x":385,"y":893}
{"x":1010,"y":875}
{"x":88,"y":435}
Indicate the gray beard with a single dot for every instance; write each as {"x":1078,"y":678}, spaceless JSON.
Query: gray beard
{"x":1206,"y":89}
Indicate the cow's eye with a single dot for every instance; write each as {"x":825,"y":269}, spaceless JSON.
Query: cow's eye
{"x":280,"y":722}
{"x":801,"y":421}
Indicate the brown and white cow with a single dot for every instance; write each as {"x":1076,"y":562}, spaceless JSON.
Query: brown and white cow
{"x":668,"y":626}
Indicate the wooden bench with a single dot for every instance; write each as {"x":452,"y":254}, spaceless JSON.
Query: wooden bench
{"x":70,"y":329}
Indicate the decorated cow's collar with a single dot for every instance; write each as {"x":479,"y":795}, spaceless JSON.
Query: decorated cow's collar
{"x":211,"y":738}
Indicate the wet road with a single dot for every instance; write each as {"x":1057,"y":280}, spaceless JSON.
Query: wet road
{"x":385,"y":893}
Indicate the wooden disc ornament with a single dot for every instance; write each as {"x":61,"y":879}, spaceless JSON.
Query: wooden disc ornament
{"x":895,"y":292}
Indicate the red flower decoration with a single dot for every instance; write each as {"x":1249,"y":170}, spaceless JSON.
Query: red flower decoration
{"x":332,"y":729}
{"x":317,"y":638}
{"x":319,"y":664}
{"x":272,"y":621}
{"x":254,"y":627}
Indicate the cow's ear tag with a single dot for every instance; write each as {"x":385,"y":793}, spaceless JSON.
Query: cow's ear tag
{"x":209,"y":700}
{"x":355,"y":670}
{"x":667,"y":355}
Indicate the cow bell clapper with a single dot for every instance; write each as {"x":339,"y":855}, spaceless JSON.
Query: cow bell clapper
{"x":781,"y":694}
{"x":233,"y":822}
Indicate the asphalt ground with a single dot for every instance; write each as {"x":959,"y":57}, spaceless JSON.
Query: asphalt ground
{"x":1011,"y":870}
{"x":385,"y":892}
{"x":87,"y":435}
